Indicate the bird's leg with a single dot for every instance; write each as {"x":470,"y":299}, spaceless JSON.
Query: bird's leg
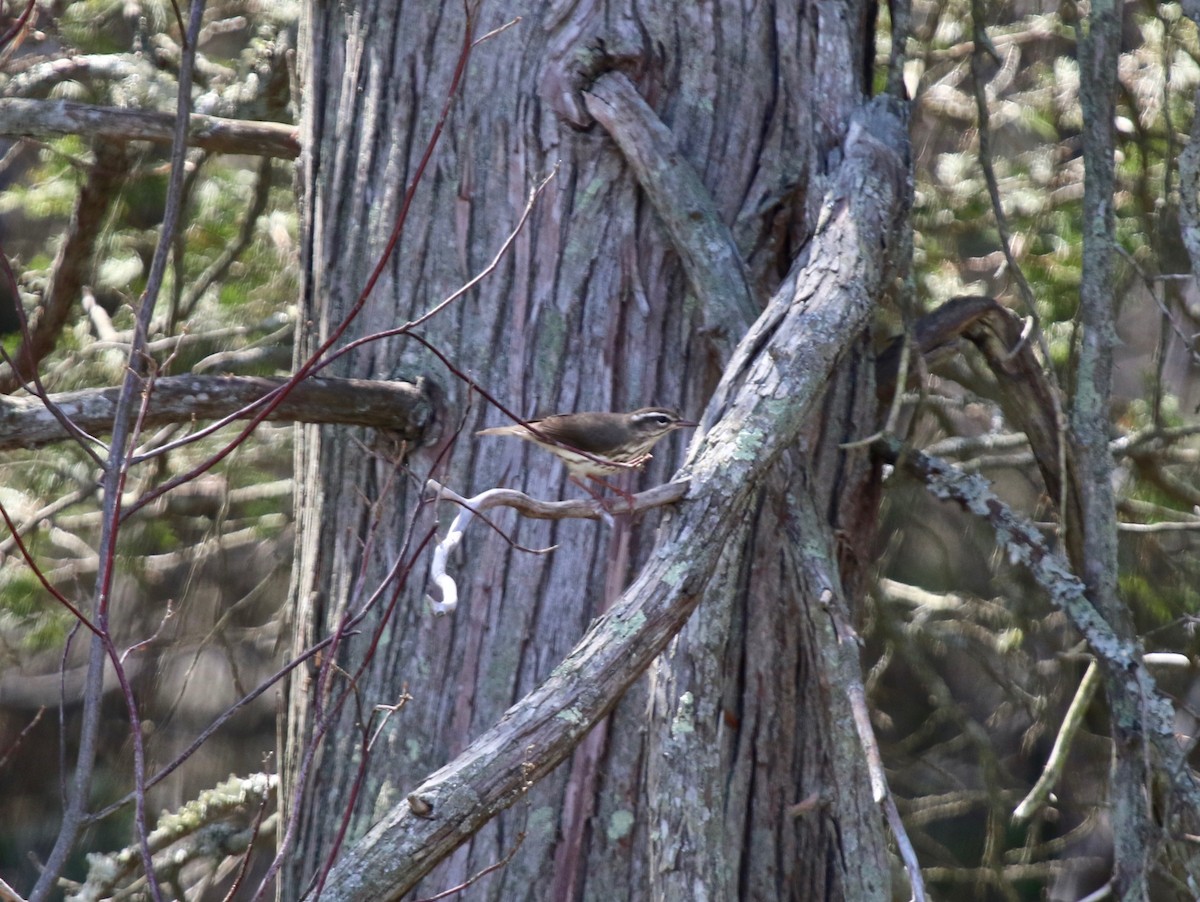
{"x":605,"y":503}
{"x":635,"y":464}
{"x":620,"y":491}
{"x":591,"y":491}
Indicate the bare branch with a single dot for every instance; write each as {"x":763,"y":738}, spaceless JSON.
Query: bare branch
{"x":199,"y":829}
{"x":1126,"y":678}
{"x":1053,"y":768}
{"x":530,"y":507}
{"x":217,"y":270}
{"x":8,"y":894}
{"x":714,"y":266}
{"x":44,"y":119}
{"x":115,"y":472}
{"x":72,"y":265}
{"x":400,"y":407}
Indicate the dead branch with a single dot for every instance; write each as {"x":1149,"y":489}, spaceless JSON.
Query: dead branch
{"x":20,"y":117}
{"x":1120,"y":661}
{"x":1022,"y":388}
{"x":530,"y":507}
{"x":399,"y":407}
{"x":200,"y":829}
{"x":72,"y":265}
{"x":710,"y":257}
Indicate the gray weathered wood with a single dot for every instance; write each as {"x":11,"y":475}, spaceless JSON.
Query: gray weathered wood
{"x":819,"y":312}
{"x":23,"y":117}
{"x":591,"y":310}
{"x":400,"y":407}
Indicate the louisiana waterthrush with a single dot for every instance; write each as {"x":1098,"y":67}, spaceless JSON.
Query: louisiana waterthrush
{"x":598,"y":444}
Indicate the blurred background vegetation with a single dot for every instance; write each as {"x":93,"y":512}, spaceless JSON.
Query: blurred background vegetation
{"x":970,"y":671}
{"x":204,"y":570}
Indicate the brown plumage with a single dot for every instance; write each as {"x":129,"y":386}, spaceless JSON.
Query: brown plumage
{"x":610,"y":442}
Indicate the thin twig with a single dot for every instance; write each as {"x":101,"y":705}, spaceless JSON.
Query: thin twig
{"x":856,"y":694}
{"x":8,"y":894}
{"x":244,"y":869}
{"x":233,"y":250}
{"x":16,"y":743}
{"x":475,"y":878}
{"x":115,"y":473}
{"x":212,"y":728}
{"x":483,"y":273}
{"x":1002,"y":228}
{"x":324,"y":716}
{"x":318,"y":362}
{"x":124,"y":438}
{"x":41,"y":575}
{"x":491,"y":34}
{"x":1151,"y":283}
{"x":15,"y":36}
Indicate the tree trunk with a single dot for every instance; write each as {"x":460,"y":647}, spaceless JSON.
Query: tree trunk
{"x":736,"y":772}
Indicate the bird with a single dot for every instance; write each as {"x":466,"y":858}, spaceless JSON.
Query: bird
{"x":594,"y":445}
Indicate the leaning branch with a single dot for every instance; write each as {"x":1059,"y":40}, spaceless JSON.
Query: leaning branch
{"x":1120,"y":660}
{"x":72,"y":267}
{"x":710,"y":257}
